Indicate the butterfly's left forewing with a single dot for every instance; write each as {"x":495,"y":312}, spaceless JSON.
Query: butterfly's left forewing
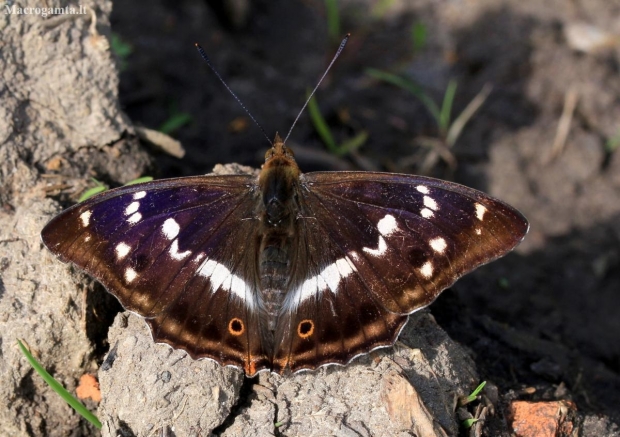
{"x":180,"y":253}
{"x":382,"y":247}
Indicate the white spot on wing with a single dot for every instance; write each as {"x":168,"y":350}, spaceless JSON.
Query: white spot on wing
{"x":130,"y":274}
{"x":122,"y":249}
{"x":430,"y":203}
{"x":170,"y":228}
{"x":135,"y":218}
{"x":237,"y":285}
{"x":478,"y":231}
{"x":480,"y":210}
{"x":328,"y":279}
{"x":426,"y":213}
{"x":174,"y":251}
{"x":139,"y":195}
{"x":133,"y":207}
{"x":85,"y":217}
{"x":427,"y":270}
{"x":311,"y":287}
{"x":438,"y":244}
{"x":387,"y":225}
{"x":379,"y":250}
{"x":220,"y":276}
{"x":345,"y":266}
{"x":87,"y":238}
{"x":422,"y":189}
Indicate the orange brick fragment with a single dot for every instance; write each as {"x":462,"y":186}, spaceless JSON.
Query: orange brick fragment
{"x":541,"y":419}
{"x":88,"y":388}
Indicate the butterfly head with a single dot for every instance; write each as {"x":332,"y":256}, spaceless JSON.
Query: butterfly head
{"x":279,"y":151}
{"x":279,"y":163}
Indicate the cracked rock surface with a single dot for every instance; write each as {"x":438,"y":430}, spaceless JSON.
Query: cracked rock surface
{"x":393,"y":392}
{"x":58,"y":110}
{"x":148,"y":387}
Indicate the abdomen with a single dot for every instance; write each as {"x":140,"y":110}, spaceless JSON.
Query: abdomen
{"x":274,"y":267}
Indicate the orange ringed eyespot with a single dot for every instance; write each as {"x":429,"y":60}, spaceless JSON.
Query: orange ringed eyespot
{"x":305,"y":328}
{"x":235,"y":326}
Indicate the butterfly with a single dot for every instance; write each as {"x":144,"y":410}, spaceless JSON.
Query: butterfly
{"x":285,"y":271}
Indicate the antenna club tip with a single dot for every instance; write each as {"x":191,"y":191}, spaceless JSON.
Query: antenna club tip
{"x":348,"y":35}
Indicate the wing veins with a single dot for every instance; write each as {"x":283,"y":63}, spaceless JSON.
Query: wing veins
{"x":367,"y":260}
{"x":501,"y":218}
{"x":116,"y":231}
{"x":184,"y":263}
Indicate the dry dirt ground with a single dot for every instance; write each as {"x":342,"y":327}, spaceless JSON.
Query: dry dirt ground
{"x":540,"y":324}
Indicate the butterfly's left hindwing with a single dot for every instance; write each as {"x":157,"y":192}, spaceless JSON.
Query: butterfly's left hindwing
{"x":378,"y":247}
{"x":180,"y":253}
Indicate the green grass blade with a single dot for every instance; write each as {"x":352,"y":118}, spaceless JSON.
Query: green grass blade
{"x":91,"y":192}
{"x":353,"y":144}
{"x":418,"y":36}
{"x":333,"y":19}
{"x":119,"y":47}
{"x":446,"y":108}
{"x":474,"y":394}
{"x":472,"y":107}
{"x":100,"y":188}
{"x":408,"y":85}
{"x":175,"y":122}
{"x":468,"y":423}
{"x":140,"y":180}
{"x":58,"y":388}
{"x":321,"y":126}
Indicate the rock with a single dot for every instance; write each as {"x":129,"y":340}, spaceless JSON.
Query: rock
{"x":59,"y":111}
{"x":152,"y":387}
{"x":542,"y":419}
{"x":373,"y":394}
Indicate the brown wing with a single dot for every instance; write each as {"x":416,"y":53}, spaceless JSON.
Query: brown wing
{"x":379,"y":247}
{"x":180,"y":253}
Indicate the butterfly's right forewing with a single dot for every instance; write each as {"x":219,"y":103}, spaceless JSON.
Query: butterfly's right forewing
{"x":415,"y":236}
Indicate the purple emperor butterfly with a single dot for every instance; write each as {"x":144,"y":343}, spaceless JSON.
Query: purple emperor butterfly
{"x":285,"y":271}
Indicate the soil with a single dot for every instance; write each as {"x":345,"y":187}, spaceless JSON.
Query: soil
{"x":540,"y":323}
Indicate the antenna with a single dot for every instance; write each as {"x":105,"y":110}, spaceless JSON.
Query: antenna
{"x":206,"y":58}
{"x":342,"y":44}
